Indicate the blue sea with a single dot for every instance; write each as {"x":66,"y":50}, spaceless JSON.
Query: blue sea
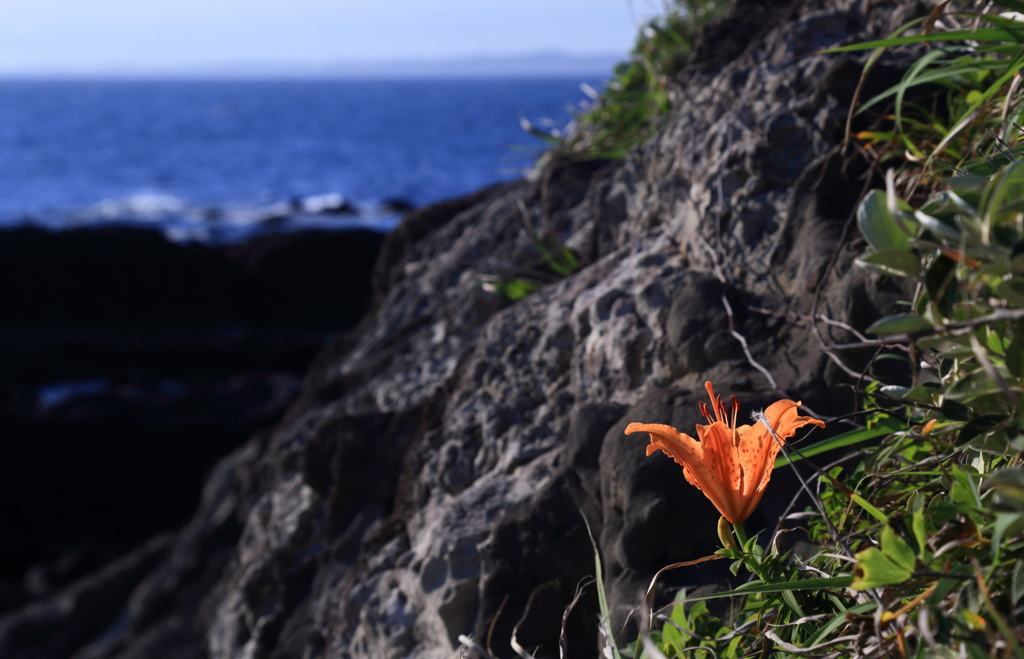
{"x":219,"y":161}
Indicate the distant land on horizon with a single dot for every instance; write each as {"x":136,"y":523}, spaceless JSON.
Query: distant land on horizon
{"x":542,"y":64}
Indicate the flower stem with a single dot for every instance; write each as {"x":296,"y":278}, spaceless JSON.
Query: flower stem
{"x":741,"y":535}
{"x":750,"y":560}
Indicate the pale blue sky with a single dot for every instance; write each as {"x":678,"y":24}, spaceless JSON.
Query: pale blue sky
{"x":96,"y":35}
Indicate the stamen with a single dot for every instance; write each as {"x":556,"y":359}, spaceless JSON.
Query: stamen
{"x":735,"y":409}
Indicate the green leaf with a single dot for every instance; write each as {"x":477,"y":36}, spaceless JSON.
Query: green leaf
{"x":1007,"y":524}
{"x":1017,"y":590}
{"x":892,"y":564}
{"x":968,"y":116}
{"x":975,"y":385}
{"x":978,"y":426}
{"x":991,"y":443}
{"x":920,"y":535}
{"x":895,"y":262}
{"x":965,"y":192}
{"x":963,"y":489}
{"x":1004,"y":197}
{"x":938,"y":225}
{"x":1012,"y":290}
{"x":790,"y":599}
{"x":1009,"y":487}
{"x":990,"y":34}
{"x":955,"y":411}
{"x":897,"y":549}
{"x":918,"y":394}
{"x":843,"y":618}
{"x":513,"y":289}
{"x":901,"y":323}
{"x":875,"y":569}
{"x":940,"y":281}
{"x":877,"y":224}
{"x":602,"y":601}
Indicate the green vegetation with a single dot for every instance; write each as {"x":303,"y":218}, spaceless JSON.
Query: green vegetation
{"x":624,"y":114}
{"x":559,"y":260}
{"x":637,"y":98}
{"x":974,"y":60}
{"x":920,"y":540}
{"x":919,"y":535}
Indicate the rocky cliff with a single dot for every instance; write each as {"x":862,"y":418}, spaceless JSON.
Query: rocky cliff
{"x":437,"y":467}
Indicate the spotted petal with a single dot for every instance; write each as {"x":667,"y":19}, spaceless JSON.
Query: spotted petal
{"x":730,"y":465}
{"x":723,"y":467}
{"x":685,"y":450}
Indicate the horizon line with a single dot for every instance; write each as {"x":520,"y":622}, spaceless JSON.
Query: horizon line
{"x":534,"y":63}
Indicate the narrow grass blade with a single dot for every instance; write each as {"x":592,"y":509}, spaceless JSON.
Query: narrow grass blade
{"x":837,"y":621}
{"x":602,"y":601}
{"x":803,"y":584}
{"x":866,"y":505}
{"x":981,"y":34}
{"x":884,"y":427}
{"x":649,"y":598}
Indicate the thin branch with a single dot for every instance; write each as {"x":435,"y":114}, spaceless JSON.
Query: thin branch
{"x":834,"y":258}
{"x":948,"y":330}
{"x":720,"y":274}
{"x":468,"y":643}
{"x":581,"y":587}
{"x":526,"y":611}
{"x":759,"y":417}
{"x":494,"y":621}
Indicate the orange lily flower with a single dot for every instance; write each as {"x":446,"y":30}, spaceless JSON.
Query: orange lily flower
{"x":731,"y":465}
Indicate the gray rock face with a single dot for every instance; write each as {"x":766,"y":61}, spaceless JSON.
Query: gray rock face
{"x":433,"y":474}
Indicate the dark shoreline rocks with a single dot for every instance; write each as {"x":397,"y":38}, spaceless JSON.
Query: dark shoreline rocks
{"x":131,"y":278}
{"x":130,"y":364}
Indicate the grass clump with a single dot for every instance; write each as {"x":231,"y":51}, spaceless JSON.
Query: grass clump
{"x":631,"y":106}
{"x":624,"y":114}
{"x":970,"y":122}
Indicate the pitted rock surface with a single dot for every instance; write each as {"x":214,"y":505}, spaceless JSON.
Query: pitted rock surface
{"x":432,"y":481}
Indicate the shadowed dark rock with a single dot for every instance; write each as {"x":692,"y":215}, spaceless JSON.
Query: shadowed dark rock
{"x":125,"y":278}
{"x":130,"y":364}
{"x":397,"y":205}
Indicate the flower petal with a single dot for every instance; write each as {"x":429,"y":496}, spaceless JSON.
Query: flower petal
{"x":757,"y":453}
{"x":724,"y":469}
{"x":687,"y":452}
{"x":758,"y":449}
{"x":785,"y":420}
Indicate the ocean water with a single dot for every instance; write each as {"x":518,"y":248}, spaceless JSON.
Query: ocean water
{"x":219,"y":161}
